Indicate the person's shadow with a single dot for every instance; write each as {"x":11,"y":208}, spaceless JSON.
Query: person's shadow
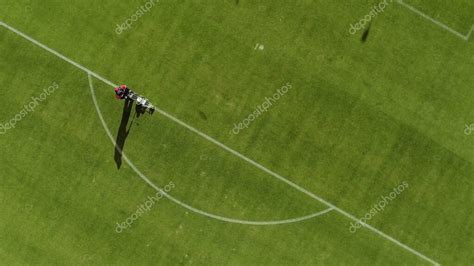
{"x":123,"y":132}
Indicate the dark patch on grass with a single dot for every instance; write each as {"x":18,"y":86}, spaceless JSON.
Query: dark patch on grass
{"x":365,"y":34}
{"x":139,"y":110}
{"x":123,"y":132}
{"x":202,"y":115}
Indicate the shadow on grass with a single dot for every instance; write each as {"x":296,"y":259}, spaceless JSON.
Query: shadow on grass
{"x":123,"y":132}
{"x":365,"y":35}
{"x":139,"y":110}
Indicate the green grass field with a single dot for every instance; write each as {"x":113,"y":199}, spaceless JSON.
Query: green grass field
{"x":361,"y":118}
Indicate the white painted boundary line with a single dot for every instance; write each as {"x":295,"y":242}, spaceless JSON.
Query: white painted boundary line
{"x":182,"y":204}
{"x":310,"y":194}
{"x":297,"y":187}
{"x":462,"y":36}
{"x":56,"y":53}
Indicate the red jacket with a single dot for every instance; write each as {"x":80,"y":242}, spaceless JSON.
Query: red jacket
{"x":121,"y":92}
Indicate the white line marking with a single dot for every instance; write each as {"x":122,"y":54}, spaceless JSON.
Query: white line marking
{"x":56,"y":53}
{"x":348,"y":215}
{"x":462,"y":36}
{"x":297,"y":187}
{"x":145,"y":178}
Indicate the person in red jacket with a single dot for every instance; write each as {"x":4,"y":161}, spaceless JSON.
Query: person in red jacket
{"x":122,"y":92}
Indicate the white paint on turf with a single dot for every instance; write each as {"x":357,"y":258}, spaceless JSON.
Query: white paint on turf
{"x":348,"y":215}
{"x":442,"y":25}
{"x":56,"y":53}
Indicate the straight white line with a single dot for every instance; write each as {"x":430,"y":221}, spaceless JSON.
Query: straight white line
{"x":56,"y":53}
{"x":263,"y":168}
{"x":297,"y":187}
{"x":469,"y":34}
{"x":464,"y":37}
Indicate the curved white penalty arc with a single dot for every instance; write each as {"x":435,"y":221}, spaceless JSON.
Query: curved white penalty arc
{"x":182,"y":204}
